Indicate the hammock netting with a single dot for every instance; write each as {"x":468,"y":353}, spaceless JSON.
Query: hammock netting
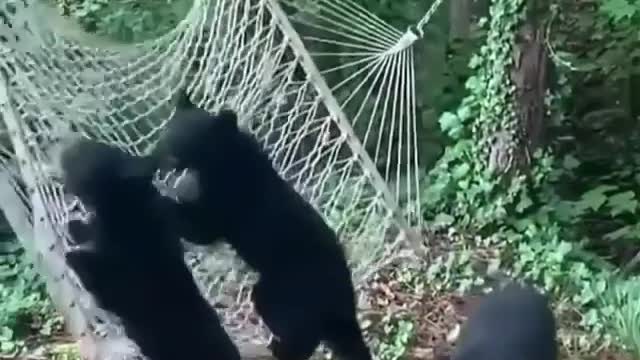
{"x":347,"y":145}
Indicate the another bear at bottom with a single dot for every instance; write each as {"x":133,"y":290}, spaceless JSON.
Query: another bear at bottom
{"x":513,"y":323}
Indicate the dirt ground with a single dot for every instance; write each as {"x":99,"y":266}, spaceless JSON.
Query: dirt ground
{"x":437,"y":319}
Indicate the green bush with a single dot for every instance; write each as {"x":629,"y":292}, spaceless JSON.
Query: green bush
{"x":621,"y":307}
{"x":125,"y":20}
{"x":25,"y":310}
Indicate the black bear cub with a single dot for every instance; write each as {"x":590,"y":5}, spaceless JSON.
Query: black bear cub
{"x":132,"y":262}
{"x":512,"y":323}
{"x":305,"y":293}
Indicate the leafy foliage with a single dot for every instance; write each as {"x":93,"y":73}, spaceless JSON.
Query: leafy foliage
{"x":127,"y":21}
{"x":398,"y":334}
{"x":25,"y":310}
{"x":622,"y":312}
{"x":620,"y":10}
{"x":573,"y":220}
{"x":532,"y":221}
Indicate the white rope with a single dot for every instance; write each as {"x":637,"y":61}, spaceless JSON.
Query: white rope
{"x":317,"y":142}
{"x":377,"y":70}
{"x":427,"y":17}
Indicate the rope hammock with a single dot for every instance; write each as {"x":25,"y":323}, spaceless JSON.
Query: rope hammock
{"x":353,"y":156}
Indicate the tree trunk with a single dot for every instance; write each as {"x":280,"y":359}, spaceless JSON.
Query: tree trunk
{"x":459,"y":19}
{"x":530,"y":75}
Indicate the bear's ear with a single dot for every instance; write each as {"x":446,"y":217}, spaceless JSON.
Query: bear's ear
{"x":227,"y":121}
{"x":183,"y":101}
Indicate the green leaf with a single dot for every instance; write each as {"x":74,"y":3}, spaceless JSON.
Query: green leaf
{"x":443,"y":219}
{"x":449,"y":122}
{"x":618,"y":234}
{"x":7,"y":346}
{"x":475,"y":61}
{"x":623,"y":202}
{"x":524,"y":203}
{"x":81,"y":12}
{"x":565,"y":210}
{"x":93,"y":7}
{"x":6,"y":334}
{"x":564,"y":248}
{"x":570,"y":162}
{"x":619,"y":9}
{"x":595,"y":198}
{"x":461,"y":170}
{"x":463,"y":113}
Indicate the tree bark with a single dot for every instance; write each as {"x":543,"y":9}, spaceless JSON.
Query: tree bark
{"x":459,"y":20}
{"x":530,"y":76}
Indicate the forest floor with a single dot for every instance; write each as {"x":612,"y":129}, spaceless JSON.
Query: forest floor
{"x":436,"y":316}
{"x":437,"y":320}
{"x":403,"y":316}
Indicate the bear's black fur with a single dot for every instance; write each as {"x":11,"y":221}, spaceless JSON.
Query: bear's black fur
{"x":510,"y":323}
{"x":305,"y":293}
{"x":132,"y":262}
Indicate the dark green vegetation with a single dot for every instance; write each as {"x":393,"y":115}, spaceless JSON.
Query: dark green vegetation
{"x":26,"y":313}
{"x":564,"y":215}
{"x":126,"y":21}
